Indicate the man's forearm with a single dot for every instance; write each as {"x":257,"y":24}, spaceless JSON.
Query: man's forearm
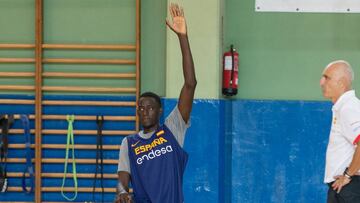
{"x":188,"y":63}
{"x":123,"y":182}
{"x":355,"y":163}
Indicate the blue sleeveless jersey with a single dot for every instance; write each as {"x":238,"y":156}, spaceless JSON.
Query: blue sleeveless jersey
{"x":157,"y":166}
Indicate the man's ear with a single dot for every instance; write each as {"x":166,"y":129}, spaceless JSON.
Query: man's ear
{"x":344,"y":83}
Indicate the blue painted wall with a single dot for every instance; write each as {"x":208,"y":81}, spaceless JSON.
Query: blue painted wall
{"x":201,"y":179}
{"x":257,"y":151}
{"x":278,"y":151}
{"x":240,"y":150}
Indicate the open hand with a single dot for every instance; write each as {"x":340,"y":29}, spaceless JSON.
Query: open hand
{"x":178,"y":24}
{"x":123,"y":198}
{"x":340,"y":182}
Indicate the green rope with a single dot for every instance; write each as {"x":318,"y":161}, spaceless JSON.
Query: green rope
{"x":70,"y":143}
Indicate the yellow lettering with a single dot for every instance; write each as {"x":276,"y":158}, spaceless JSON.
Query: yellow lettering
{"x":162,"y":140}
{"x":142,"y":149}
{"x":148,"y":147}
{"x":156,"y":142}
{"x":137,"y":150}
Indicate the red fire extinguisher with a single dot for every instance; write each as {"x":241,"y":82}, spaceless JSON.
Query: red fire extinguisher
{"x":230,"y":72}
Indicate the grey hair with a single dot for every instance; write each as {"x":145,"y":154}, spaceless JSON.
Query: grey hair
{"x":347,"y":66}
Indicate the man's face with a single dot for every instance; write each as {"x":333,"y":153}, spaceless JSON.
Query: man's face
{"x":149,"y":112}
{"x":330,"y":83}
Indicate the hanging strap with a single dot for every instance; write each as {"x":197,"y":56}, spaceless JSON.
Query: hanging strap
{"x":29,"y":167}
{"x":99,"y":156}
{"x":5,"y":122}
{"x":70,"y":143}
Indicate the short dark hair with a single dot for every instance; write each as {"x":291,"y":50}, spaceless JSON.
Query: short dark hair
{"x":152,"y":95}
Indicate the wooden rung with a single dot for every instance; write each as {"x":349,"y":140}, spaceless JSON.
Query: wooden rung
{"x":79,"y":146}
{"x":67,"y":103}
{"x":19,"y":146}
{"x":89,"y":89}
{"x":89,"y":132}
{"x":19,"y":131}
{"x":79,"y":175}
{"x":16,"y":101}
{"x":78,"y":161}
{"x":14,"y":189}
{"x":90,"y":46}
{"x":17,"y":87}
{"x":76,"y":132}
{"x":62,"y":146}
{"x":17,"y":46}
{"x":15,"y":174}
{"x":89,"y":61}
{"x":97,"y":190}
{"x":17,"y":116}
{"x":80,"y":189}
{"x":60,"y":202}
{"x":61,"y":160}
{"x":89,"y":103}
{"x":60,"y":175}
{"x":89,"y":75}
{"x":17,"y":60}
{"x":89,"y":118}
{"x":17,"y":74}
{"x":78,"y":117}
{"x":17,"y":202}
{"x":16,"y":160}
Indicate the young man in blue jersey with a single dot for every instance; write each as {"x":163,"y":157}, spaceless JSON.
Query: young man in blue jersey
{"x":153,"y":160}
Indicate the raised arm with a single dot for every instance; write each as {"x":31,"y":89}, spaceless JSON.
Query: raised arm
{"x":178,"y":25}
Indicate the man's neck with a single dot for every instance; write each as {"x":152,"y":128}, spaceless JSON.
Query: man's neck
{"x":150,"y":129}
{"x":335,"y":99}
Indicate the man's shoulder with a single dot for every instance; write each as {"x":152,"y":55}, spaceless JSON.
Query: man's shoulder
{"x":350,"y":110}
{"x":165,"y":127}
{"x":352,"y":104}
{"x":131,"y":137}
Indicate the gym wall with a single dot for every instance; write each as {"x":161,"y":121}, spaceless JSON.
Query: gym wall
{"x":267,"y":144}
{"x":282,"y":55}
{"x":280,"y":119}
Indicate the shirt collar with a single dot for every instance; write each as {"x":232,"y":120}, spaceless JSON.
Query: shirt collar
{"x":146,"y":135}
{"x":343,"y":99}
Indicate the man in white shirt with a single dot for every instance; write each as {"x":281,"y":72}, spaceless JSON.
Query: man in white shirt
{"x":342,"y":154}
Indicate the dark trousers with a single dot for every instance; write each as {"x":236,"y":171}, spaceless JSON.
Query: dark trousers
{"x":350,"y":193}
